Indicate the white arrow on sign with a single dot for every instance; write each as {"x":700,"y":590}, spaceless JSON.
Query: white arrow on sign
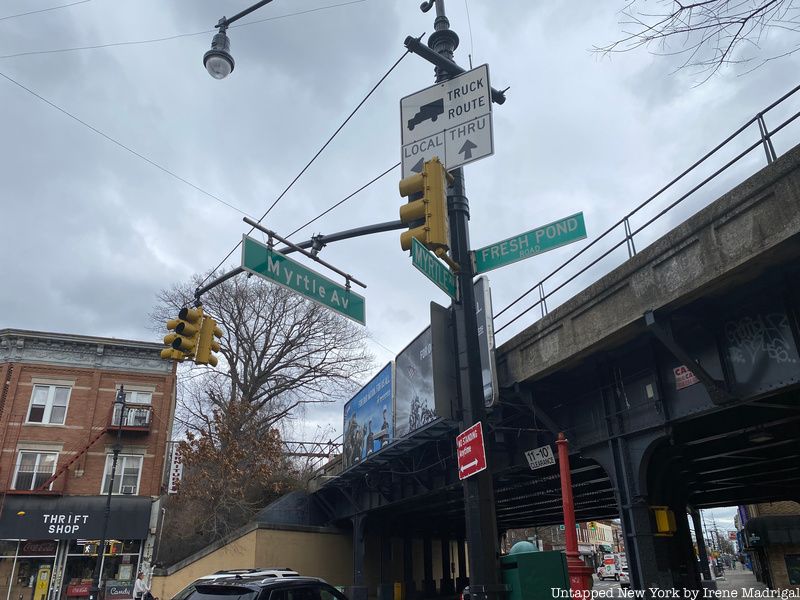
{"x":469,"y":465}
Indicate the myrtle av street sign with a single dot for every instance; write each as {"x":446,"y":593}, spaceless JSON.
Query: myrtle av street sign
{"x":451,"y":120}
{"x":547,"y":237}
{"x":261,"y":260}
{"x":430,"y":266}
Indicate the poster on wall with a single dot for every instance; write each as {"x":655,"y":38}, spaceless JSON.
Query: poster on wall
{"x":369,"y":419}
{"x":425,"y":376}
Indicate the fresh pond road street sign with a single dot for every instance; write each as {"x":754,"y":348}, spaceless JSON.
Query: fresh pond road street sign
{"x":451,"y":120}
{"x":547,"y":237}
{"x":260,"y":259}
{"x":540,"y":457}
{"x":471,"y":452}
{"x":426,"y":261}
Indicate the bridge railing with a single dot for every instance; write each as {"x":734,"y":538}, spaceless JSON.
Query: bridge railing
{"x":623,"y":233}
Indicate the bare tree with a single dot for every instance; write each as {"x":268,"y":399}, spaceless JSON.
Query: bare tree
{"x":707,"y":34}
{"x":279,"y":354}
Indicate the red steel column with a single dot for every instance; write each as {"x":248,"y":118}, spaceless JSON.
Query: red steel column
{"x":580,"y":576}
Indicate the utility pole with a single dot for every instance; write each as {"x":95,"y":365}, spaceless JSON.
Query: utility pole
{"x":479,"y":507}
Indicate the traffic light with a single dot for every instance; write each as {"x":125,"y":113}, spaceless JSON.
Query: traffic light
{"x":186,"y":332}
{"x":431,"y":207}
{"x":206,"y":344}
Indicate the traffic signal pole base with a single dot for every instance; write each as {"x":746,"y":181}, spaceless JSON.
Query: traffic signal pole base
{"x":580,"y":576}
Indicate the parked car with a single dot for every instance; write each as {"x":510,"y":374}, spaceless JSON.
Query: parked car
{"x":624,"y":578}
{"x":258,"y":586}
{"x":236,"y":574}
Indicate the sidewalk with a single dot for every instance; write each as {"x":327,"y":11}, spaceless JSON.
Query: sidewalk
{"x":740,"y":579}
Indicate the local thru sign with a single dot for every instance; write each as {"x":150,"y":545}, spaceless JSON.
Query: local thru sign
{"x":451,"y":120}
{"x":426,"y":261}
{"x":261,"y":260}
{"x":471,"y":452}
{"x":540,"y":457}
{"x":547,"y":237}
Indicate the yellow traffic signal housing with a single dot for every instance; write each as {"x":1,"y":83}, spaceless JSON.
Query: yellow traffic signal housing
{"x":206,"y":343}
{"x":431,"y":207}
{"x":187,"y":330}
{"x":169,"y":353}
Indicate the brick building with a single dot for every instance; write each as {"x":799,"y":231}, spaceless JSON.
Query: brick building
{"x":770,"y":533}
{"x":58,"y":427}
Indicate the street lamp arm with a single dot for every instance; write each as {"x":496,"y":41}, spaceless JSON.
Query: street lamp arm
{"x":224,"y":21}
{"x":416,"y":46}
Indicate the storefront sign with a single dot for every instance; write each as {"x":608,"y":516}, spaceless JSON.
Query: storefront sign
{"x":38,"y":548}
{"x":175,"y":470}
{"x":119,"y":590}
{"x":79,"y":589}
{"x":74,"y":517}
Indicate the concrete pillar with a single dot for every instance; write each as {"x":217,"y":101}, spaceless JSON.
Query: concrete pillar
{"x":428,"y":583}
{"x":447,"y":585}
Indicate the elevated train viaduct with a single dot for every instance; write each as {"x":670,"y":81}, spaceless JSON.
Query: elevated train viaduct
{"x":675,"y":378}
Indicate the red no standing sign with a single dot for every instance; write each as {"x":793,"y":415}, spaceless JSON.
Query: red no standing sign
{"x":471,"y":453}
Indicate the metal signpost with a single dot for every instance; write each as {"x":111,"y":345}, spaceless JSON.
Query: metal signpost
{"x":430,"y":266}
{"x":547,"y":237}
{"x":261,"y":260}
{"x":451,"y":120}
{"x":471,"y":451}
{"x":540,"y":457}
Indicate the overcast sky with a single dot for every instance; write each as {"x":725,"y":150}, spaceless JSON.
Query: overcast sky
{"x":92,"y":232}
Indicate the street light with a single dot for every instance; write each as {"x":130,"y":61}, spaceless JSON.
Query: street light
{"x":218,"y":61}
{"x":119,"y":402}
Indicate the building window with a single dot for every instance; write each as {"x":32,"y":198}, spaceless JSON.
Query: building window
{"x":126,"y":478}
{"x":33,"y":469}
{"x":134,"y":397}
{"x":49,"y":404}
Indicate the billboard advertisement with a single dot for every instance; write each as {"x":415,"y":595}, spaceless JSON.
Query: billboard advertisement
{"x":425,"y":376}
{"x":368,"y":419}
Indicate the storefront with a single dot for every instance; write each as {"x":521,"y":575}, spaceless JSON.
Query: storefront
{"x":50,"y":546}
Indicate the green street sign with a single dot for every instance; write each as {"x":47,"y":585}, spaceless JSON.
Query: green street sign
{"x":426,"y":261}
{"x":259,"y":259}
{"x":547,"y":237}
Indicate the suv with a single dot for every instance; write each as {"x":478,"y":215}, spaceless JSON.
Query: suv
{"x":260,"y":584}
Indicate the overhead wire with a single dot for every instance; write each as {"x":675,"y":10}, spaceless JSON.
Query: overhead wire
{"x":41,"y":10}
{"x":345,"y":199}
{"x":176,"y":36}
{"x":123,"y":146}
{"x":309,"y":163}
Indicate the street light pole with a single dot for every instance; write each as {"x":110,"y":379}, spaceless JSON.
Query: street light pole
{"x":119,"y":401}
{"x":479,"y":506}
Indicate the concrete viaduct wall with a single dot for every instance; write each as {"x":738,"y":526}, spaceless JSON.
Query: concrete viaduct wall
{"x":757,"y":218}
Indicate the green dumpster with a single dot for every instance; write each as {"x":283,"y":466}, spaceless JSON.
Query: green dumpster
{"x":532,"y":575}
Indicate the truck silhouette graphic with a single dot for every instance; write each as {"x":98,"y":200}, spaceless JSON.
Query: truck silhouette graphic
{"x":431,"y":111}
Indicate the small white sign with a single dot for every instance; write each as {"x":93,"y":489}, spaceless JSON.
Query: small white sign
{"x":540,"y":457}
{"x":451,"y":120}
